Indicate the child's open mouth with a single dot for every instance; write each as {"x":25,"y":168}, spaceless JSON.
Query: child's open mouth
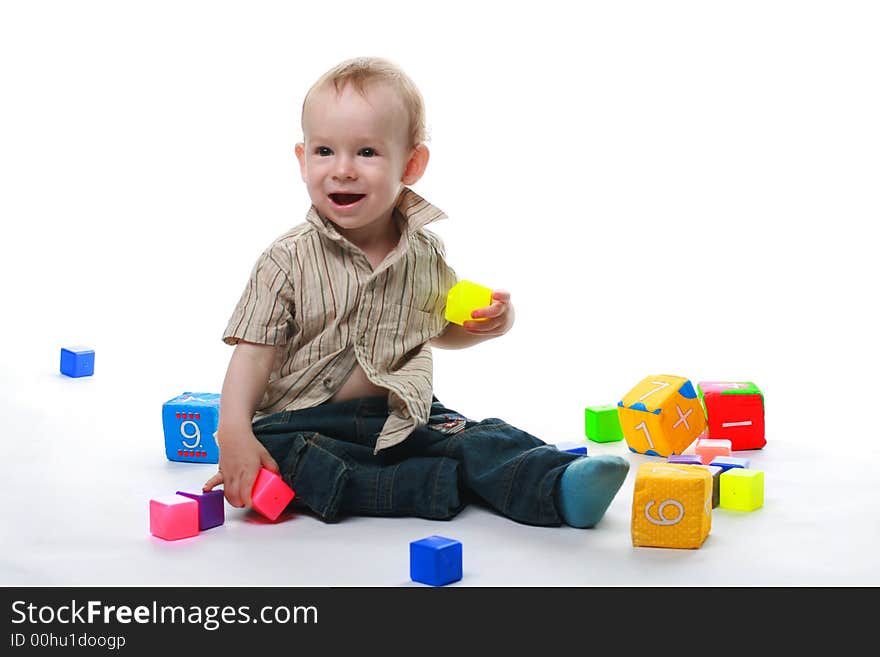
{"x":346,"y":199}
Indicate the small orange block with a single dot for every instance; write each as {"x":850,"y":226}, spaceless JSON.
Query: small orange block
{"x":708,"y":448}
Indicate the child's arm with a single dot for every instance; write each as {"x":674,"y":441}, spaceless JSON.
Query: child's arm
{"x":498,"y":320}
{"x":241,"y":454}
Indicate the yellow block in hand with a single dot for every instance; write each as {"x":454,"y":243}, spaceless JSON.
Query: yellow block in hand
{"x":464,"y":297}
{"x":672,"y":505}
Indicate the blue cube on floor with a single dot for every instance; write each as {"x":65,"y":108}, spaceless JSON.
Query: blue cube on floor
{"x":435,"y":560}
{"x":190,"y":421}
{"x":574,"y":448}
{"x":77,"y":361}
{"x":728,"y":462}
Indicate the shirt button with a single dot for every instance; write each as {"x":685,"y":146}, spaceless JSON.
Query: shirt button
{"x":328,"y":383}
{"x":362,"y":340}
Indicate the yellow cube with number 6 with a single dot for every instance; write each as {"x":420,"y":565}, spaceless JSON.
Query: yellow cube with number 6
{"x":672,"y":505}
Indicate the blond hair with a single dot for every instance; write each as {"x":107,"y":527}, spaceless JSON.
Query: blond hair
{"x":363,"y":71}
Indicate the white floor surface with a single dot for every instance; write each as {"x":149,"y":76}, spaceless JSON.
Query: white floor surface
{"x":82,"y":467}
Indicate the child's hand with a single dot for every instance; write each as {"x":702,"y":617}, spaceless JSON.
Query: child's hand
{"x":241,"y":457}
{"x":496,"y":319}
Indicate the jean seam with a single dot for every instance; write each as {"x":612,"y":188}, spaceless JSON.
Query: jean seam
{"x":434,"y":493}
{"x":552,"y":512}
{"x":391,"y":486}
{"x":451,"y":444}
{"x":485,"y":427}
{"x":510,"y":480}
{"x":376,"y":487}
{"x":325,"y":511}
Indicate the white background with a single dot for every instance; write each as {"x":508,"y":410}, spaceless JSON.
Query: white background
{"x":687,"y":188}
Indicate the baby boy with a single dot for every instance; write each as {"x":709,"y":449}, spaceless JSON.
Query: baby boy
{"x":330,"y":382}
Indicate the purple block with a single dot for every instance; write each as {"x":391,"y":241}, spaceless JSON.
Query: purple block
{"x":687,"y":459}
{"x":728,"y":462}
{"x":210,"y":507}
{"x":715,"y":471}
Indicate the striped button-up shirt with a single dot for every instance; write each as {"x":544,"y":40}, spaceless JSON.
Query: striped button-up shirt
{"x":315,"y":296}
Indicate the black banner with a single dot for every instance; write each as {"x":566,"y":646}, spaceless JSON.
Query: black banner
{"x":133,"y":620}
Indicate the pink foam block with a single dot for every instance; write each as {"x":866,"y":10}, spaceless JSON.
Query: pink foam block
{"x":173,"y":517}
{"x":708,"y":448}
{"x":270,"y":495}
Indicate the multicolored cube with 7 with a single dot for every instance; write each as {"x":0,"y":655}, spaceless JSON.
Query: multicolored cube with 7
{"x":661,"y":416}
{"x":735,"y":411}
{"x":190,"y":423}
{"x":672,"y":505}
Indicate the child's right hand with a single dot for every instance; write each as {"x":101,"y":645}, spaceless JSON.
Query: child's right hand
{"x":241,"y":457}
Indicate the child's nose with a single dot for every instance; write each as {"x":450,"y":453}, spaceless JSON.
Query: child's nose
{"x":345,"y":169}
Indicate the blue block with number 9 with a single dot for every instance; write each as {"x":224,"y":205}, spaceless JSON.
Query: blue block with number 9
{"x":190,"y":425}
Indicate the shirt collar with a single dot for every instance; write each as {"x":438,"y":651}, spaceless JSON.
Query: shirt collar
{"x":414,"y":212}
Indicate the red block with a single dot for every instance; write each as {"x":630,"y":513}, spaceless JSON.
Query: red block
{"x":270,"y":495}
{"x":735,"y":411}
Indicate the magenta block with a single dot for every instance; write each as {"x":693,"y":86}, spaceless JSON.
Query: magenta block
{"x":173,"y":517}
{"x":210,"y":507}
{"x":270,"y":495}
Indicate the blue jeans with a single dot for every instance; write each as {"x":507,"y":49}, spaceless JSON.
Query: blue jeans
{"x":325,"y":454}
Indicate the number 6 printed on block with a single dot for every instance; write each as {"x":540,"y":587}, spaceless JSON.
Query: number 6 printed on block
{"x":661,"y":519}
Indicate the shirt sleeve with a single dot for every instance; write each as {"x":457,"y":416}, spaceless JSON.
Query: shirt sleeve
{"x":264,"y":313}
{"x":445,"y":279}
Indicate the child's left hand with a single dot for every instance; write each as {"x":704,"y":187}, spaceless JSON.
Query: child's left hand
{"x":495,"y":319}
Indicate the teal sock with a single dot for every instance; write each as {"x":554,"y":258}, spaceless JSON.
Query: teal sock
{"x":587,"y":486}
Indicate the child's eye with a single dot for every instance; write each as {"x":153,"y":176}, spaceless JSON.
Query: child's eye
{"x":368,"y":152}
{"x":323,"y":151}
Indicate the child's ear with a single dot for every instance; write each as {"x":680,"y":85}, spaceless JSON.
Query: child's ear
{"x":417,"y":164}
{"x":300,"y":150}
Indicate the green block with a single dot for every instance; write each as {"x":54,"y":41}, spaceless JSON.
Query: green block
{"x":602,"y":424}
{"x":742,"y":489}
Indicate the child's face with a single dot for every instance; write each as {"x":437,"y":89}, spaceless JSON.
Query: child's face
{"x":356,"y":155}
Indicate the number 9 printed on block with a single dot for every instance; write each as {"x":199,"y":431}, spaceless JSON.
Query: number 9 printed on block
{"x":190,"y":423}
{"x":661,"y":416}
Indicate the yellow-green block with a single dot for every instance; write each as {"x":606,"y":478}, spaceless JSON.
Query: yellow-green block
{"x":742,"y":489}
{"x":602,"y":424}
{"x":465,"y":297}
